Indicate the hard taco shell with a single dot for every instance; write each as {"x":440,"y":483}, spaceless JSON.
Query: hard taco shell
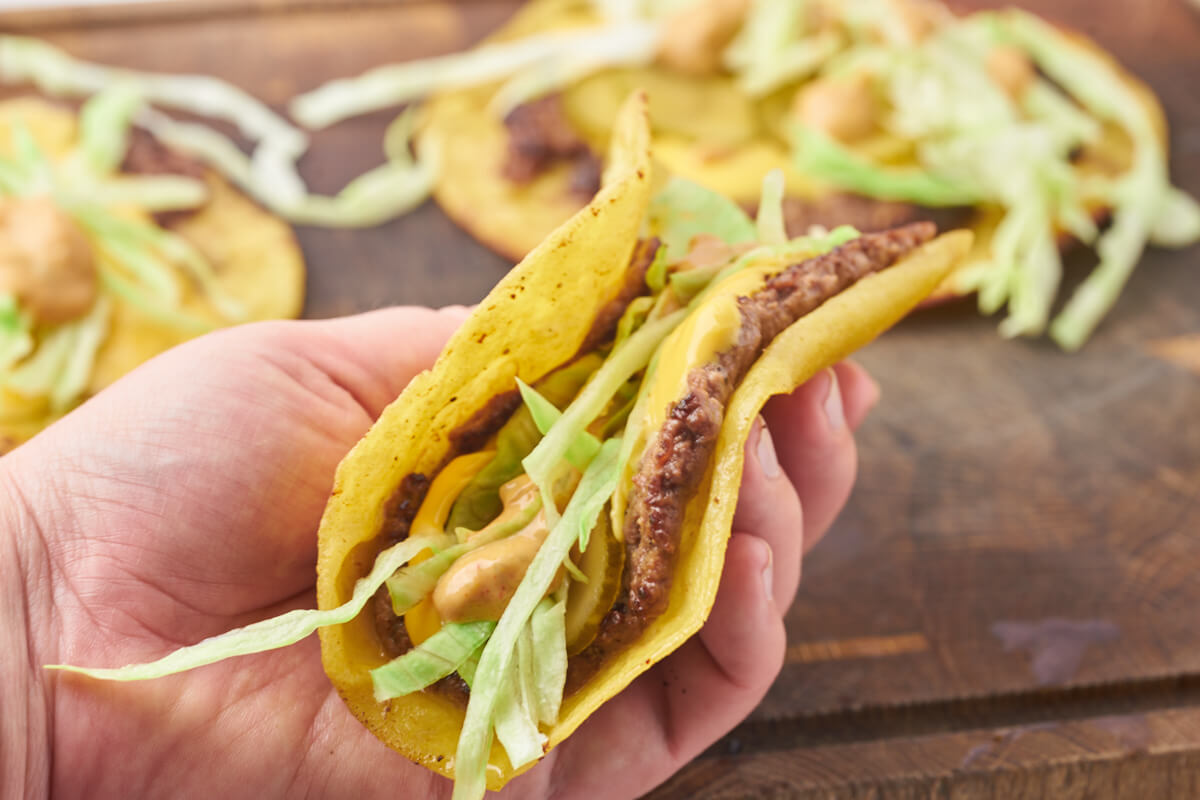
{"x":535,"y":320}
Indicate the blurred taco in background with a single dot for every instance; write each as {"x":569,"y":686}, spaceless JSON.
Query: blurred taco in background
{"x":542,"y":515}
{"x":113,"y":249}
{"x":878,"y":112}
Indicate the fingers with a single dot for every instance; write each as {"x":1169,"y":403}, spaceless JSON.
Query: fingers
{"x":813,"y":436}
{"x":672,"y":713}
{"x":373,"y":356}
{"x":859,"y":392}
{"x":769,"y":508}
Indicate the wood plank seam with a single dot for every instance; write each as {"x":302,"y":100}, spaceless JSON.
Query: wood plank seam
{"x":1011,"y":710}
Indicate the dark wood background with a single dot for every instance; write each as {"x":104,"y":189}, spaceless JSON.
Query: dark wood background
{"x":1010,"y":606}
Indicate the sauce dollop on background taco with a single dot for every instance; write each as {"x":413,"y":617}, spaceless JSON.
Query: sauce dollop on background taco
{"x":542,"y":515}
{"x":113,"y":249}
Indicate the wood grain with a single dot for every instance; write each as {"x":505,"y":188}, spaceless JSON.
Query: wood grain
{"x":1008,"y":606}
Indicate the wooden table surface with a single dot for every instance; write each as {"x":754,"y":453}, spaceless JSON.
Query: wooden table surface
{"x":1009,"y":607}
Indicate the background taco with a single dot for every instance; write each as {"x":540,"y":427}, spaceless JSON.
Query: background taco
{"x":878,"y":113}
{"x":142,"y":248}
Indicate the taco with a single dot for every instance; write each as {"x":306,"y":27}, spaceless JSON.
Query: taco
{"x":879,"y":113}
{"x":660,"y":352}
{"x":542,"y":515}
{"x":113,"y":249}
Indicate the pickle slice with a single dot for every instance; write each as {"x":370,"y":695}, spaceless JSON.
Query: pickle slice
{"x":587,"y":603}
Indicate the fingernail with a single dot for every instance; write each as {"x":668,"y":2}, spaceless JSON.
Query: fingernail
{"x":765,"y":451}
{"x":768,"y":573}
{"x":834,"y":410}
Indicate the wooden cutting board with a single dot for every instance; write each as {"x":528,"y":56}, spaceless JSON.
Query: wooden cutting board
{"x":1009,"y":607}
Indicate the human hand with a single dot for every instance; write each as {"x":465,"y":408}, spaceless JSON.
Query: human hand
{"x":184,"y":501}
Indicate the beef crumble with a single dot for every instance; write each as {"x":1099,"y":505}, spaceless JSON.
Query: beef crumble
{"x":677,"y":458}
{"x":540,"y":136}
{"x":147,"y":156}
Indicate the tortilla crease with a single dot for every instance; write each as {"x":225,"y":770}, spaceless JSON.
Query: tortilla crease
{"x":254,"y":255}
{"x":705,"y":130}
{"x":535,"y":320}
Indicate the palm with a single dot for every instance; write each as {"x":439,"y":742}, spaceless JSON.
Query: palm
{"x":188,"y":503}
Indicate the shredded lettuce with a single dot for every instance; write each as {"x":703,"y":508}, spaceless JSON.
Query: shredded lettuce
{"x":608,"y":45}
{"x":479,"y":503}
{"x":279,"y":143}
{"x":656,"y":273}
{"x":769,"y":219}
{"x":270,"y":634}
{"x":689,"y":283}
{"x":217,"y":150}
{"x":634,"y":317}
{"x":387,"y":191}
{"x":769,"y":27}
{"x":37,"y":375}
{"x":149,"y":270}
{"x":581,"y":451}
{"x":683,"y":209}
{"x":636,"y":47}
{"x":1177,"y":223}
{"x":1139,"y":197}
{"x":76,"y":373}
{"x":821,"y":157}
{"x":467,"y":669}
{"x":594,"y":490}
{"x":427,"y":663}
{"x":54,"y":72}
{"x":131,"y":293}
{"x":38,"y":172}
{"x":155,"y":251}
{"x":548,"y":628}
{"x":516,"y":721}
{"x":104,"y":124}
{"x":544,"y":463}
{"x":151,"y":193}
{"x":795,"y":62}
{"x":16,"y":339}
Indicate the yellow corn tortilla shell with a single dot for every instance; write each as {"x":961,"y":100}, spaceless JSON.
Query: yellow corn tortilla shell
{"x":254,"y":255}
{"x":705,"y":131}
{"x":531,"y":323}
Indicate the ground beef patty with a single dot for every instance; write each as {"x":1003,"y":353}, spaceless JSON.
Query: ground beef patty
{"x":677,"y":458}
{"x":540,"y":136}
